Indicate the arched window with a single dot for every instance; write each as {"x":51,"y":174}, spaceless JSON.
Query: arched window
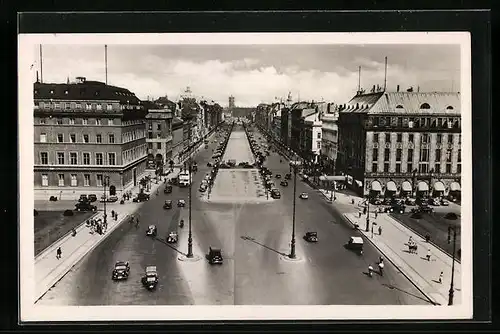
{"x":399,"y":106}
{"x":449,"y":108}
{"x":425,"y":106}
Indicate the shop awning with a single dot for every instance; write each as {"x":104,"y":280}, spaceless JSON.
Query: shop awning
{"x":439,"y":186}
{"x":376,"y":186}
{"x":406,"y":186}
{"x":455,"y":186}
{"x":391,"y":186}
{"x":422,"y":186}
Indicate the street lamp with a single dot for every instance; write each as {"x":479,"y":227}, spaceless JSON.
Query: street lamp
{"x":452,"y":216}
{"x":367,"y":229}
{"x":190,"y":237}
{"x":105,"y":180}
{"x":295,"y":165}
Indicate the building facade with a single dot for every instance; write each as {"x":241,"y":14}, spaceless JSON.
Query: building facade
{"x":159,"y":137}
{"x":402,"y":143}
{"x":329,"y":142}
{"x":84,"y":133}
{"x":177,"y":137}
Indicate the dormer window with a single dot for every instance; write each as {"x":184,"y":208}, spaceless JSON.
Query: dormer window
{"x":399,"y":106}
{"x":66,"y":92}
{"x":449,"y":108}
{"x":36,"y":91}
{"x":425,"y":106}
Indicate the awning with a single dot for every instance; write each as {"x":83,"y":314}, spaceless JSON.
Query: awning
{"x":422,"y":186}
{"x":439,"y":186}
{"x":455,"y":186}
{"x":376,"y":186}
{"x":391,"y":186}
{"x":406,"y":186}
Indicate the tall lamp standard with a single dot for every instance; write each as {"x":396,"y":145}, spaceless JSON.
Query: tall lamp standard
{"x":190,"y":235}
{"x":105,"y":181}
{"x":295,"y":165}
{"x":367,"y":229}
{"x":452,"y":216}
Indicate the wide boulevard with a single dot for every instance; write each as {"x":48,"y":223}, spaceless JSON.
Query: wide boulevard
{"x":254,"y":234}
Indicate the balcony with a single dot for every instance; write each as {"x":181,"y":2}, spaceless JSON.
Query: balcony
{"x":410,"y":175}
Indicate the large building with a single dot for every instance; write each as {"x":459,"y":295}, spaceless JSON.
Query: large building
{"x":329,"y":141}
{"x":85,"y":132}
{"x":159,"y":138}
{"x":177,"y":137}
{"x":401,"y":143}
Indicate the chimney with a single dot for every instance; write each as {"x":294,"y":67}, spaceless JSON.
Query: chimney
{"x":397,"y":89}
{"x":37,"y":80}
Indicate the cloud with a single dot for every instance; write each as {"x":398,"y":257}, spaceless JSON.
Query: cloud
{"x":255,"y":74}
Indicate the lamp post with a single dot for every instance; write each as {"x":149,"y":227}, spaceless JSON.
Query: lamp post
{"x":105,"y":180}
{"x":367,"y":229}
{"x":295,"y":165}
{"x":190,"y":237}
{"x":450,"y":229}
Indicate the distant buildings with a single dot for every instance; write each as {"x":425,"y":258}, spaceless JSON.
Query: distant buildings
{"x":231,"y":102}
{"x":85,"y":132}
{"x":329,"y":140}
{"x":401,"y":143}
{"x":159,"y":137}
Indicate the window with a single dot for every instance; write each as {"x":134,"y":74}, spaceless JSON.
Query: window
{"x":72,"y":138}
{"x":61,"y":180}
{"x":448,"y":156}
{"x":459,"y":155}
{"x":60,"y":138}
{"x":387,"y":137}
{"x":88,"y":106}
{"x":44,"y":158}
{"x":375,"y":137}
{"x":399,"y":153}
{"x":410,"y":154}
{"x":111,"y":159}
{"x":86,"y":180}
{"x":150,"y":146}
{"x":425,"y":106}
{"x":59,"y":121}
{"x":399,"y":138}
{"x":85,"y":121}
{"x":319,"y":134}
{"x":440,"y":122}
{"x":437,"y":168}
{"x":424,"y":168}
{"x":98,"y":159}
{"x":43,"y":121}
{"x":86,"y":158}
{"x":448,"y":168}
{"x":438,"y":155}
{"x":57,"y":105}
{"x":85,"y":138}
{"x":99,"y":106}
{"x":150,"y":135}
{"x":73,"y":180}
{"x":46,"y":105}
{"x":111,"y":138}
{"x":60,"y":158}
{"x":386,"y":167}
{"x":319,"y":144}
{"x":439,"y":138}
{"x":150,"y":126}
{"x":425,"y":138}
{"x":375,"y":154}
{"x":71,"y":120}
{"x":386,"y":154}
{"x":158,"y":127}
{"x":158,"y":146}
{"x":158,"y":136}
{"x":450,"y":139}
{"x":73,"y":159}
{"x":398,"y":168}
{"x":109,"y":107}
{"x":410,"y":137}
{"x":110,"y":121}
{"x":98,"y":138}
{"x":374,"y":167}
{"x":43,"y":137}
{"x":99,"y":179}
{"x":78,"y":105}
{"x":98,"y":121}
{"x":425,"y":155}
{"x":45,"y":180}
{"x":409,"y":167}
{"x":459,"y":168}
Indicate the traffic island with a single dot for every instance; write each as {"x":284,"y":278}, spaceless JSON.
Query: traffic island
{"x":296,"y":259}
{"x":194,"y":258}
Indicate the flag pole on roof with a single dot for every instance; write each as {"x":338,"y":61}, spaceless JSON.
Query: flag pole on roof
{"x":106,"y":61}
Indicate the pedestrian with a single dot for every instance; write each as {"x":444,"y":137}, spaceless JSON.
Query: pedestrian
{"x":410,"y":240}
{"x":376,"y":214}
{"x":112,"y":213}
{"x":381,"y":267}
{"x":73,"y":232}
{"x":116,"y":216}
{"x":380,"y":230}
{"x":429,"y":254}
{"x":359,"y":214}
{"x":58,"y":253}
{"x":441,"y":278}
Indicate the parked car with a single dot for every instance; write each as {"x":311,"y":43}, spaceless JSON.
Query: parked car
{"x":214,"y":256}
{"x":168,"y":189}
{"x":121,"y":270}
{"x":375,"y":201}
{"x":434,"y":201}
{"x":275,"y":193}
{"x":181,"y":203}
{"x":304,"y":195}
{"x":85,"y":206}
{"x":92,"y":198}
{"x":203,"y":188}
{"x":387,"y":201}
{"x":167,"y":204}
{"x":311,"y":237}
{"x":288,"y":176}
{"x":141,"y":197}
{"x":151,"y":231}
{"x":397,"y":208}
{"x":284,"y":183}
{"x":410,"y":201}
{"x":444,"y":202}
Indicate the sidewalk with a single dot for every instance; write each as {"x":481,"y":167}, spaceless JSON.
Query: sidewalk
{"x":49,"y":270}
{"x":424,"y":274}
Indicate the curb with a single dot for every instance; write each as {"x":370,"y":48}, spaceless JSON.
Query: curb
{"x":432,"y":300}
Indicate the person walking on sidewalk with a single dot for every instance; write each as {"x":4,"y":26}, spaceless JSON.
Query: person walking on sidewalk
{"x":380,"y":230}
{"x":381,"y":266}
{"x":440,"y":278}
{"x":428,"y":254}
{"x":58,"y":253}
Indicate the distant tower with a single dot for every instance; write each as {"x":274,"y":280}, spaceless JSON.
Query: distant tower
{"x":231,"y":102}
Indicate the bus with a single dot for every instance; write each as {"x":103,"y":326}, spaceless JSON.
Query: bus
{"x":183,"y":179}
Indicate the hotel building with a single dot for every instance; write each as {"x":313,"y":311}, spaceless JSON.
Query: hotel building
{"x":85,"y":132}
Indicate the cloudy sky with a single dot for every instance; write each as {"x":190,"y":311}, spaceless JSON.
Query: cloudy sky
{"x":256,"y":73}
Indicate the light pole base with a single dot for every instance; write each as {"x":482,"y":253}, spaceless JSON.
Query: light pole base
{"x":194,"y":258}
{"x":287,"y":258}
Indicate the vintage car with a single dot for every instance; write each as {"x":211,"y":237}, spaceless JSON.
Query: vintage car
{"x":195,"y":167}
{"x":397,"y":208}
{"x":284,"y":183}
{"x":83,"y":198}
{"x":167,"y":204}
{"x":181,"y":203}
{"x":150,"y":278}
{"x":141,"y":197}
{"x":203,"y":188}
{"x":85,"y":206}
{"x":151,"y":231}
{"x":376,"y":201}
{"x":288,"y":176}
{"x":275,"y":193}
{"x":311,"y":237}
{"x":303,"y":196}
{"x":214,"y":256}
{"x":410,"y":201}
{"x":168,"y":189}
{"x":355,"y":244}
{"x":92,"y":198}
{"x":444,"y":202}
{"x":121,"y":270}
{"x":434,"y":201}
{"x":172,"y":238}
{"x":278,"y":176}
{"x":108,"y":199}
{"x":422,"y":209}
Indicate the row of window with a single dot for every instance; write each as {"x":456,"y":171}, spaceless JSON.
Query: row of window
{"x":415,"y":122}
{"x":73,"y":180}
{"x":78,"y":121}
{"x":158,"y":146}
{"x":424,"y":154}
{"x":134,"y":153}
{"x":73,"y":139}
{"x":424,"y":138}
{"x":422,"y":168}
{"x":73,"y":158}
{"x":74,"y":105}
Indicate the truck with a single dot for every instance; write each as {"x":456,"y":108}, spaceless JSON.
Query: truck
{"x":184,"y":179}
